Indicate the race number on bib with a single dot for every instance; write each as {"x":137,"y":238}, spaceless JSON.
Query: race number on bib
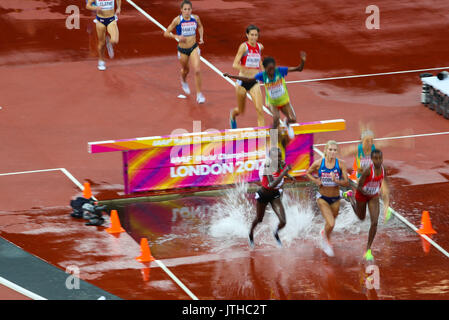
{"x":276,"y":91}
{"x":252,"y":60}
{"x":106,"y":4}
{"x":188,"y":29}
{"x":371,"y":188}
{"x":365,"y":162}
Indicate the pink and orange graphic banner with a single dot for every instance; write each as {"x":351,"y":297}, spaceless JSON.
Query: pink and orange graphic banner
{"x":208,"y":158}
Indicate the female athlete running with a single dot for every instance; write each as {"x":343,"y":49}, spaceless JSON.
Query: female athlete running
{"x":186,"y":26}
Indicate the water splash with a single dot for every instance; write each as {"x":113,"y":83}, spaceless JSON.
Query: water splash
{"x":231,"y":219}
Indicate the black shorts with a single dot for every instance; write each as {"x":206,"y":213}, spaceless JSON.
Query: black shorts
{"x":188,"y":51}
{"x":266,"y":196}
{"x":247,"y":84}
{"x":106,"y":21}
{"x":330,"y":200}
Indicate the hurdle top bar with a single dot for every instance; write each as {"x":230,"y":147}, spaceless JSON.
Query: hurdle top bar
{"x":202,"y":137}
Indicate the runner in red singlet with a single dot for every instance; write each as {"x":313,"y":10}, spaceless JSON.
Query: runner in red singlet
{"x":367,"y":193}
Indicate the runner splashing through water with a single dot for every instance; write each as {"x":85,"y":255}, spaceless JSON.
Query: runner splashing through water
{"x":272,"y":174}
{"x":367,"y":193}
{"x":332,"y":174}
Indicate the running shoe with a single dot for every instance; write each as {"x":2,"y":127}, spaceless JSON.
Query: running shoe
{"x":251,"y":242}
{"x":185,"y":87}
{"x":109,"y":47}
{"x":290,"y":132}
{"x":278,"y":241}
{"x":327,"y":248}
{"x":347,"y":195}
{"x":368,"y":255}
{"x":101,"y":65}
{"x":200,"y":98}
{"x":232,"y":121}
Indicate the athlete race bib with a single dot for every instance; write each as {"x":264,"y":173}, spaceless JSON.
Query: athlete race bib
{"x":188,"y":29}
{"x":365,"y":162}
{"x":276,"y":90}
{"x":371,"y":188}
{"x":326,"y":179}
{"x":105,"y":4}
{"x":252,"y":60}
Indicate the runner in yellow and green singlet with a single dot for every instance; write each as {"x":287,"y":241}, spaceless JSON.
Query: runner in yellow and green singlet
{"x":276,"y":94}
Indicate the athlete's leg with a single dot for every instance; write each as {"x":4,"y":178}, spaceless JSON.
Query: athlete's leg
{"x":184,"y":60}
{"x":256,"y":95}
{"x":328,"y":216}
{"x":196,"y":65}
{"x":276,"y":116}
{"x":373,"y":206}
{"x":278,"y":208}
{"x":260,"y":212}
{"x":288,"y":111}
{"x":101,"y":35}
{"x":241,"y":101}
{"x":113,"y":31}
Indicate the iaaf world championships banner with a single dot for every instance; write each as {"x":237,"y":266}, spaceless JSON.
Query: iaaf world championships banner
{"x":207,"y":163}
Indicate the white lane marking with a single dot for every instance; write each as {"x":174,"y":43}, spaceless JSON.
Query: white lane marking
{"x":210,"y":65}
{"x":175,"y":279}
{"x":20,"y":289}
{"x":24,"y":172}
{"x":405,"y":221}
{"x":366,"y":75}
{"x":392,"y":138}
{"x":63,"y":170}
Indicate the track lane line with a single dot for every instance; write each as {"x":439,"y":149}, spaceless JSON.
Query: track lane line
{"x":366,"y":75}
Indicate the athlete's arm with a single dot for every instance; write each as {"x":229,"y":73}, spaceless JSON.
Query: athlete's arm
{"x":344,"y":181}
{"x":236,"y":64}
{"x":276,"y":181}
{"x":200,"y":29}
{"x":168,"y":33}
{"x":301,"y":65}
{"x":119,"y":7}
{"x":362,"y":179}
{"x":385,"y":194}
{"x":260,"y":62}
{"x":313,"y":168}
{"x":238,"y":77}
{"x":89,"y":6}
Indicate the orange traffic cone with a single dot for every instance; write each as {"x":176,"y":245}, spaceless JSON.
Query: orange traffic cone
{"x":145,"y":253}
{"x":115,"y":223}
{"x":426,"y":225}
{"x":353,"y":175}
{"x":87,"y":193}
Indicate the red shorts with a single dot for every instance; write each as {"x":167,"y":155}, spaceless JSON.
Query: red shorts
{"x":362,"y":198}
